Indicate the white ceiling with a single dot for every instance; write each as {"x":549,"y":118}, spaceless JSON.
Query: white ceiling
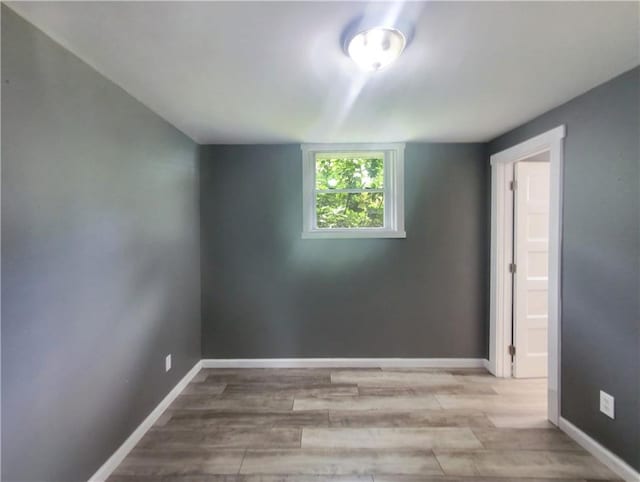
{"x":254,"y":72}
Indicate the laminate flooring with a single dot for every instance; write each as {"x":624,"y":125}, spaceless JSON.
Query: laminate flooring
{"x":355,"y":425}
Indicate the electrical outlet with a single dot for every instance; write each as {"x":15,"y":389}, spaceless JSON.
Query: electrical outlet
{"x":607,"y":404}
{"x":167,"y":363}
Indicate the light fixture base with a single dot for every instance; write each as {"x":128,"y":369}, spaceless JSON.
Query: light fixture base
{"x":373,"y":44}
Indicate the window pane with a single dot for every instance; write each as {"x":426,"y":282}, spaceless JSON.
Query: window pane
{"x":346,"y":172}
{"x":350,"y":210}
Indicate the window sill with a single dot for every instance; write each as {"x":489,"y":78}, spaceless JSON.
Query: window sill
{"x":353,"y":234}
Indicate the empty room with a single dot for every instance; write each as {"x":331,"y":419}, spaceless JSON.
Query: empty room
{"x":320,"y":241}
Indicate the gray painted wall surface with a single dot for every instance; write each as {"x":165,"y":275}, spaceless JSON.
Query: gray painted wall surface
{"x":600,"y":258}
{"x":268,"y":293}
{"x":100,"y":260}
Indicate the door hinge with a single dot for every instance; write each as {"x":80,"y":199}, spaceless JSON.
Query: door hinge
{"x":512,"y":350}
{"x":513,"y":185}
{"x":512,"y":268}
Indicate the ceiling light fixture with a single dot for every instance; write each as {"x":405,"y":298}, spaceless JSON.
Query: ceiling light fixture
{"x":375,"y":48}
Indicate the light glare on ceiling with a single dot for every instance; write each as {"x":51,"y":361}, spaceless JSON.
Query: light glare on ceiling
{"x":376,"y":48}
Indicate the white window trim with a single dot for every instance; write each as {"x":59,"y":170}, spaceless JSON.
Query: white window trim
{"x":393,"y":188}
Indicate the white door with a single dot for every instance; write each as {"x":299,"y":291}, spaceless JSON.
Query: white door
{"x":531,"y":280}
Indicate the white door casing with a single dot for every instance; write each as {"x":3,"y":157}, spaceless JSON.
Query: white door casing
{"x":500,"y":320}
{"x":531,"y":279}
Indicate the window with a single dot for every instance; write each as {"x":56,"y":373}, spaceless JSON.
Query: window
{"x":353,"y":191}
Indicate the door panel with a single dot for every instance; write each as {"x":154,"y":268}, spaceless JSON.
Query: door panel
{"x":531,"y":281}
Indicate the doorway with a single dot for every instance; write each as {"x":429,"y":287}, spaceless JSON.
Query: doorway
{"x":506,"y":287}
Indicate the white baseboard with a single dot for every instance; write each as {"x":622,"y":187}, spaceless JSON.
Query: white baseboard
{"x":488,"y":366}
{"x":344,"y":363}
{"x":615,"y":463}
{"x":118,"y":456}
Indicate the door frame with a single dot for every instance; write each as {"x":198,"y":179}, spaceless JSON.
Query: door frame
{"x":501,"y":288}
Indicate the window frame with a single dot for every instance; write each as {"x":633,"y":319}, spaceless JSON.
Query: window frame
{"x":393,"y":191}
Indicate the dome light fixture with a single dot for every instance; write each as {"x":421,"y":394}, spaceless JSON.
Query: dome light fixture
{"x":375,"y":48}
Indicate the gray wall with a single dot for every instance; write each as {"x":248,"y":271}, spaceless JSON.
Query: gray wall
{"x":600,"y":258}
{"x":268,"y":293}
{"x":100,"y":260}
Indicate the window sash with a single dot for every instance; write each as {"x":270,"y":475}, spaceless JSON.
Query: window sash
{"x":385,"y":181}
{"x":351,"y":228}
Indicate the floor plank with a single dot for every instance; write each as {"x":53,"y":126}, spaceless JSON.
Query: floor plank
{"x":287,"y":390}
{"x":495,"y":404}
{"x":391,"y":438}
{"x":249,"y":403}
{"x":522,"y":420}
{"x":154,"y":462}
{"x":204,"y":389}
{"x":339,"y":462}
{"x":388,"y":378}
{"x":523,"y":463}
{"x":524,"y":439}
{"x":188,"y":419}
{"x":457,"y":389}
{"x":410,"y":418}
{"x":222,"y":437}
{"x":367,"y":403}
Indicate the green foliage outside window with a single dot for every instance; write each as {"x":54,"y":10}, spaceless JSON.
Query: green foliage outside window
{"x":349,"y":192}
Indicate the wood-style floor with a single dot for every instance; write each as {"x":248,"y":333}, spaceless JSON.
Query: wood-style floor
{"x":344,"y":425}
